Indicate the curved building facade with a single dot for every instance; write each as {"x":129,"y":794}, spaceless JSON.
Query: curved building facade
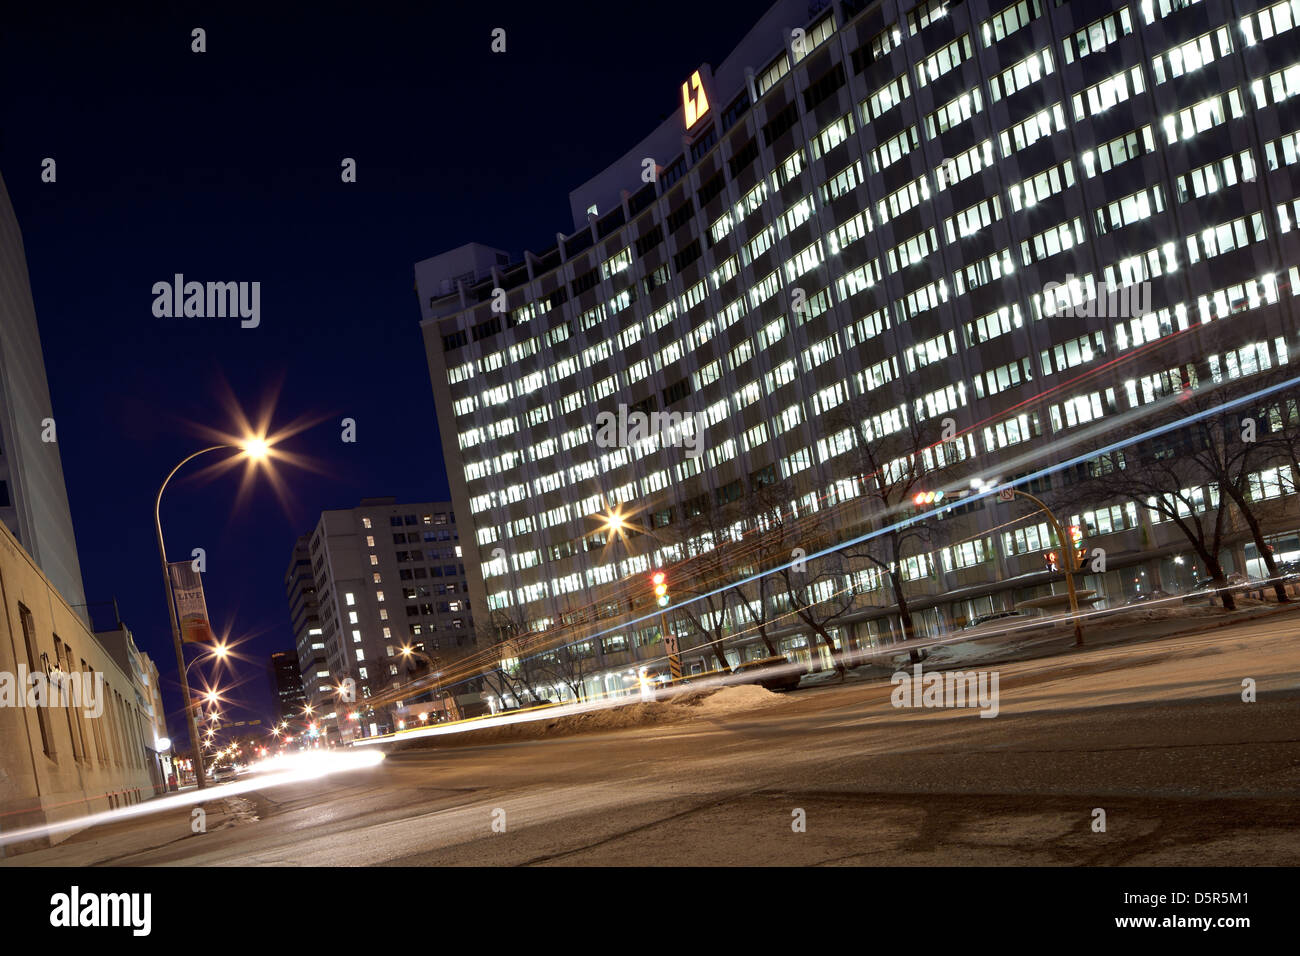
{"x":1031,"y":218}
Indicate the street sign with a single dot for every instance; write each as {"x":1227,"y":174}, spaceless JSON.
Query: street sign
{"x":674,"y":661}
{"x":1006,"y":494}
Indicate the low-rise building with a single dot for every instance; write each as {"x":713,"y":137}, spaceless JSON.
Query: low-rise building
{"x":77,"y":735}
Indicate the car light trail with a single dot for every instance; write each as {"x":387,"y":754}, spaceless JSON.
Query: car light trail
{"x":552,"y":711}
{"x":276,"y":772}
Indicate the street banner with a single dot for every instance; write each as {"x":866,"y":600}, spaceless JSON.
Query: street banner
{"x":191,"y":608}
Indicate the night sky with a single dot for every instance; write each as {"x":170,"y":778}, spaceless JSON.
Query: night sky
{"x":225,"y":166}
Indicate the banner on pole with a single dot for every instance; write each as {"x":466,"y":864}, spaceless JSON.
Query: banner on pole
{"x":191,"y":607}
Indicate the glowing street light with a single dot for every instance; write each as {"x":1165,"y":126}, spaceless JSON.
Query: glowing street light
{"x":256,"y":448}
{"x":220,"y":651}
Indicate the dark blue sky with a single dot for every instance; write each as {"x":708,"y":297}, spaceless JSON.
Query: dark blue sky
{"x":225,"y":166}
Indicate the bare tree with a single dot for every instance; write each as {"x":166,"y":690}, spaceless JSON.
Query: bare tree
{"x":769,"y":525}
{"x":514,"y":668}
{"x":706,"y":540}
{"x":1205,"y":461}
{"x":820,"y":591}
{"x":569,"y":665}
{"x":1167,"y":474}
{"x":890,"y":459}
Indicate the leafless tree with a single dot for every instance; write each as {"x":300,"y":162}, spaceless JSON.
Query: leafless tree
{"x":890,"y":459}
{"x":1169,"y":475}
{"x":706,"y":541}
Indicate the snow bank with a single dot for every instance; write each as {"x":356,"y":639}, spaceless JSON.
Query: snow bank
{"x":688,"y":704}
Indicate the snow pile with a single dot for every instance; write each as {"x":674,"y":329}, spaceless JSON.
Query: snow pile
{"x":727,"y":700}
{"x":688,"y":704}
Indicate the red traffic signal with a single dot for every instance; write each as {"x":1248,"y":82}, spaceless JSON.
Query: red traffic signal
{"x":1076,"y":534}
{"x":660,"y":581}
{"x":923,"y":498}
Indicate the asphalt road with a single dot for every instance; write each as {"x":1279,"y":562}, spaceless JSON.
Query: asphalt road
{"x":1156,"y":734}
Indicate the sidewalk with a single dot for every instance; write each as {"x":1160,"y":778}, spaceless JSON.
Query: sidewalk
{"x":1130,"y":626}
{"x":102,"y":843}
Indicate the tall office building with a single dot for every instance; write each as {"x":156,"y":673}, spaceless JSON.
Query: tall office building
{"x":930,"y":211}
{"x":286,"y":684}
{"x":33,"y":499}
{"x":385,"y":576}
{"x":304,"y":618}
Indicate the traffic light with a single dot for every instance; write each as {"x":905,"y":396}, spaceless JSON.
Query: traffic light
{"x":923,"y":499}
{"x":1076,"y":540}
{"x":1050,"y":560}
{"x":660,"y":581}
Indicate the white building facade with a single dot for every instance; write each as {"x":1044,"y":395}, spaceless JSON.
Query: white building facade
{"x":1021,"y":216}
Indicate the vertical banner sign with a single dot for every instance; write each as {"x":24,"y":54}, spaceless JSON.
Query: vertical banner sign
{"x":191,"y":608}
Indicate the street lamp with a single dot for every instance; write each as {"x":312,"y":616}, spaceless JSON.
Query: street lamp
{"x":219,"y":653}
{"x":256,"y":449}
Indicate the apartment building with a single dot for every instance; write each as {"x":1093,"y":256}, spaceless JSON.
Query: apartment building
{"x":384,"y":575}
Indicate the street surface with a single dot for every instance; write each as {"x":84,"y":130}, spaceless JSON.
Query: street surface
{"x":1154,"y":733}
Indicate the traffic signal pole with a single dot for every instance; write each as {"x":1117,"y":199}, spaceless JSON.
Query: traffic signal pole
{"x":1072,"y":563}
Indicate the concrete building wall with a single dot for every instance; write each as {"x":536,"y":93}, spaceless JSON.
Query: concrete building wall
{"x":33,"y":499}
{"x":61,"y":762}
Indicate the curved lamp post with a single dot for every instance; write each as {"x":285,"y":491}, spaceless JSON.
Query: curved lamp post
{"x":256,"y":449}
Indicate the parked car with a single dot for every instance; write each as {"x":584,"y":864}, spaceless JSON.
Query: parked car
{"x":1235,"y":582}
{"x":1147,"y":597}
{"x":1289,"y":570}
{"x":1005,"y":617}
{"x":223,"y":773}
{"x":782,"y":679}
